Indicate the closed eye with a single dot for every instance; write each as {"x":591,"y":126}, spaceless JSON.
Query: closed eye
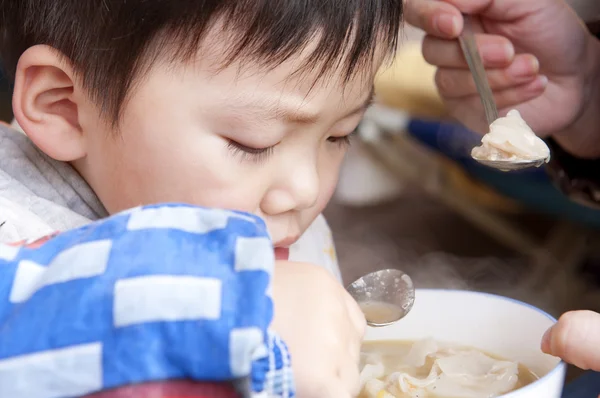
{"x":343,"y":140}
{"x":249,"y":153}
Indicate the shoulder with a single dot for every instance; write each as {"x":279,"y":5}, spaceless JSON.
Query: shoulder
{"x":18,"y":223}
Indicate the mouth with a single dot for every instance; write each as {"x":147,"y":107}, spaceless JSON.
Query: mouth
{"x":282,"y":248}
{"x":282,"y":253}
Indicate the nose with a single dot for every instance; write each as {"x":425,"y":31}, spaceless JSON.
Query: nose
{"x":296,"y":189}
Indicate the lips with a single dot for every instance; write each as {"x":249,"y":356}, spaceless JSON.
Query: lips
{"x":282,"y":247}
{"x":282,"y":253}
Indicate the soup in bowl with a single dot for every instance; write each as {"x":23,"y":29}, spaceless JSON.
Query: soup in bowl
{"x":461,"y":344}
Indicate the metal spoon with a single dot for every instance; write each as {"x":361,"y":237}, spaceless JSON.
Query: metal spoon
{"x":511,"y":165}
{"x":473,"y":58}
{"x":384,"y":296}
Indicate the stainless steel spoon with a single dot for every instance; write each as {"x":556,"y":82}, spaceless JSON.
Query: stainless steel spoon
{"x":511,"y":165}
{"x":473,"y":58}
{"x":384,"y":296}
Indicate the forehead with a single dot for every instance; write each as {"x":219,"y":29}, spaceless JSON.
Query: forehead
{"x":301,"y":89}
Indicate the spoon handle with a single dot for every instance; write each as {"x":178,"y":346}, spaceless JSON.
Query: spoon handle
{"x":469,"y":49}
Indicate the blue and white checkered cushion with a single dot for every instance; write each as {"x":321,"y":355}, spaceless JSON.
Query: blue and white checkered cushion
{"x":154,"y":293}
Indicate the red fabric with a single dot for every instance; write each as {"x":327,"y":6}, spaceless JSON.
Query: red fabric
{"x":170,"y":389}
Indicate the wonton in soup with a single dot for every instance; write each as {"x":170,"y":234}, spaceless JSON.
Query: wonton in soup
{"x":430,"y":369}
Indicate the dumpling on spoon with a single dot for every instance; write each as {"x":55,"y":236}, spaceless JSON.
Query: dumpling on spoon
{"x":511,"y":139}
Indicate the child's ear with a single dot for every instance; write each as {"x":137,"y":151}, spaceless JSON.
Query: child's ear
{"x":45,"y":106}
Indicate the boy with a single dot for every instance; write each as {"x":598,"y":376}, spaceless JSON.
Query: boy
{"x":243,"y":105}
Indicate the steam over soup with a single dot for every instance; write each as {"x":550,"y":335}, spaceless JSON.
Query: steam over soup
{"x":430,"y":369}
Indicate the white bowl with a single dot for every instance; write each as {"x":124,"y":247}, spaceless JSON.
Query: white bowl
{"x":495,"y":324}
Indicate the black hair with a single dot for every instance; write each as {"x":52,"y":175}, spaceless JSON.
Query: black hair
{"x":108,"y":42}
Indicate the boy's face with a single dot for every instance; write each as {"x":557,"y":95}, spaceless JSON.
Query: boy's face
{"x":267,"y":142}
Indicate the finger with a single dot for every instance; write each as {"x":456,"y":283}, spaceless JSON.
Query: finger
{"x":496,"y":51}
{"x":437,"y":18}
{"x":514,"y":96}
{"x":505,"y":10}
{"x":471,"y":6}
{"x":456,"y":83}
{"x":469,"y":111}
{"x":576,"y":339}
{"x":464,"y":108}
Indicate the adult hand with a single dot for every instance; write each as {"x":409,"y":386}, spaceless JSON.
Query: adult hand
{"x":533,"y":66}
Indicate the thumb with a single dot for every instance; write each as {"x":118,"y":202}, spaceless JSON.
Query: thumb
{"x":576,"y":339}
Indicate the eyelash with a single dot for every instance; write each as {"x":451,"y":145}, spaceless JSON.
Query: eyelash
{"x":342,"y":141}
{"x":248,"y":153}
{"x":260,"y":154}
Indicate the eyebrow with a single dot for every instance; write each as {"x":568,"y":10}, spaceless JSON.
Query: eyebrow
{"x":275,"y":111}
{"x":299,"y":117}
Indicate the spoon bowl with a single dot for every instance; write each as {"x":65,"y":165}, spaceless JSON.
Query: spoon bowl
{"x":511,"y":165}
{"x":384,"y":296}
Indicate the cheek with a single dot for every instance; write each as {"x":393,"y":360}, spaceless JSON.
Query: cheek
{"x":195,"y":170}
{"x":329,"y":175}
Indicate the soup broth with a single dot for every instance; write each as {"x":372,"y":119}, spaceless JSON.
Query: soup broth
{"x":378,"y":312}
{"x":430,"y":369}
